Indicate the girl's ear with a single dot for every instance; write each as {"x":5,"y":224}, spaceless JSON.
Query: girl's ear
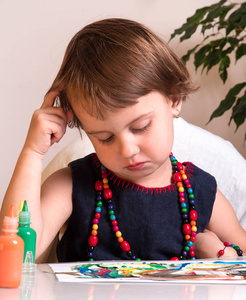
{"x":176,"y":105}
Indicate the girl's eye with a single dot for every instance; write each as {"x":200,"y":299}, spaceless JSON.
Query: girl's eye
{"x":142,"y":129}
{"x":108,"y":140}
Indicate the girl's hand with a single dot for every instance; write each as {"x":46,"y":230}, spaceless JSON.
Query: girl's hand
{"x":48,"y":125}
{"x":208,"y":245}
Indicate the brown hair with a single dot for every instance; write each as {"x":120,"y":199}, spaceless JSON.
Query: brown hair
{"x":110,"y":63}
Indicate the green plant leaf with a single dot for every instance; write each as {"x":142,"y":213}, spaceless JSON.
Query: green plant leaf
{"x":214,"y":12}
{"x":186,"y":57}
{"x":239,"y":111}
{"x":212,"y":59}
{"x":228,"y":102}
{"x":224,"y":65}
{"x":241,"y":51}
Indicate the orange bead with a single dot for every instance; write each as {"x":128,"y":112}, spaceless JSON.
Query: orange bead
{"x":94,"y":232}
{"x":193,"y":223}
{"x":120,"y":239}
{"x":179,"y":184}
{"x":182,"y":172}
{"x":187,"y":237}
{"x":105,"y":186}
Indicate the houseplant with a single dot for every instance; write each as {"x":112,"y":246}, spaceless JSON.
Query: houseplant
{"x":223,"y":35}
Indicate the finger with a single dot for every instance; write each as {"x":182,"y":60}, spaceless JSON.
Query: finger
{"x":50,"y":99}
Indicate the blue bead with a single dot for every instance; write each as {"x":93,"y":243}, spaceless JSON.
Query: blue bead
{"x":175,"y":168}
{"x":185,"y":216}
{"x":192,"y":201}
{"x":172,"y":158}
{"x":239,"y":252}
{"x":102,"y":167}
{"x":98,"y":209}
{"x":190,"y":243}
{"x":90,"y":254}
{"x":134,"y":257}
{"x":184,"y":253}
{"x":193,"y":258}
{"x":99,"y":198}
{"x":112,"y":217}
{"x":110,"y":207}
{"x":183,"y":205}
{"x":232,"y":245}
{"x":190,"y":190}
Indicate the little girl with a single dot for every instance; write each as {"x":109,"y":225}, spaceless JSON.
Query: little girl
{"x":132,"y":199}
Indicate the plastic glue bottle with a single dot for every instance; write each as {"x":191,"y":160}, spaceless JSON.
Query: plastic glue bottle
{"x":26,"y":232}
{"x":11,"y":252}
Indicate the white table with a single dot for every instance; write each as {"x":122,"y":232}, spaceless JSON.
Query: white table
{"x":45,"y":286}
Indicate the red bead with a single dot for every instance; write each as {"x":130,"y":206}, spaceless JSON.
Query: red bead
{"x":174,"y":258}
{"x":186,"y":229}
{"x":114,"y":223}
{"x":125,"y":246}
{"x":193,"y":238}
{"x":99,"y":185}
{"x":181,"y":199}
{"x":180,"y":166}
{"x":221,"y":252}
{"x":107,"y":194}
{"x":192,"y":253}
{"x":92,"y":241}
{"x":97,"y":215}
{"x":177,"y":177}
{"x":193,"y":215}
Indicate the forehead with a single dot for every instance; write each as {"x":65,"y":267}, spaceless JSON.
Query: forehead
{"x":152,"y":102}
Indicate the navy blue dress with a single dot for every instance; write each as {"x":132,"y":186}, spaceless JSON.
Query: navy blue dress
{"x":149,"y":218}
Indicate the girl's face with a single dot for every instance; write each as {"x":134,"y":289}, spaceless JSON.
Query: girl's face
{"x":135,"y":142}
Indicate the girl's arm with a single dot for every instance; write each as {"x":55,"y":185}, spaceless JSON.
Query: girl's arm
{"x":223,"y":227}
{"x":48,"y":125}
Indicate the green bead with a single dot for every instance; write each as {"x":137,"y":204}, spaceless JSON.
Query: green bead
{"x":184,"y":210}
{"x":237,"y":248}
{"x":187,"y":248}
{"x":91,"y":259}
{"x":111,"y":212}
{"x":191,"y":196}
{"x":99,"y":203}
{"x":174,"y":163}
{"x":138,"y":259}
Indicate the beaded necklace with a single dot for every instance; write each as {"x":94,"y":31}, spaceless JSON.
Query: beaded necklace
{"x":189,"y":215}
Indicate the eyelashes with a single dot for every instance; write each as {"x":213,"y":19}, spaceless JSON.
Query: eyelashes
{"x":134,"y":130}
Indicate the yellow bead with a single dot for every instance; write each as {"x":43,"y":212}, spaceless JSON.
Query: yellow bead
{"x":105,"y":180}
{"x":194,"y":228}
{"x":181,"y":189}
{"x":184,"y":177}
{"x":95,"y":226}
{"x":118,"y":233}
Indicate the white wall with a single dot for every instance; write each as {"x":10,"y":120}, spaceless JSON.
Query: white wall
{"x":34,"y":35}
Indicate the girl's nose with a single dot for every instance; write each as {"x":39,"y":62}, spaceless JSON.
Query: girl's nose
{"x":128,"y":147}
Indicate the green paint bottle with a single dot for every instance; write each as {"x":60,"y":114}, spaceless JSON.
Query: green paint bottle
{"x":26,"y":232}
